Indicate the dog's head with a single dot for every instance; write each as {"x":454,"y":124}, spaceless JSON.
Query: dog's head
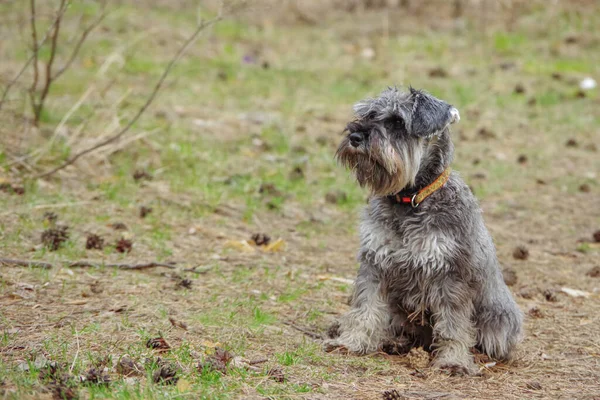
{"x":387,"y":142}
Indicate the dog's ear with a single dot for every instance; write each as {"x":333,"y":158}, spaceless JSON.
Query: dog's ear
{"x":430,"y":115}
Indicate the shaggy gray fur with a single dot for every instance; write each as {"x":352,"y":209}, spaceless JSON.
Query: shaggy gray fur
{"x":428,"y":275}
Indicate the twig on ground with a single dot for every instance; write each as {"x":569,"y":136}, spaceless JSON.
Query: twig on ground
{"x":157,"y":87}
{"x":26,"y":263}
{"x":85,"y":264}
{"x":256,"y":362}
{"x":308,"y":333}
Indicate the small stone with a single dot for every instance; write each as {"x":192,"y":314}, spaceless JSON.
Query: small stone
{"x":521,"y":253}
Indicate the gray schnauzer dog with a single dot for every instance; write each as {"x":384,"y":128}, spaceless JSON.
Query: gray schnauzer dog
{"x":428,"y":272}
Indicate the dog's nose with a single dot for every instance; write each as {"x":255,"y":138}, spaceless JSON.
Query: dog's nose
{"x":355,"y":139}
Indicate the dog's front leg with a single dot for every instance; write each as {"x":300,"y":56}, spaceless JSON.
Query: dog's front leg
{"x":453,"y":330}
{"x":365,"y":326}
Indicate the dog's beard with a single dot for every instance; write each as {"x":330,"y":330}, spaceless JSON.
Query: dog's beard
{"x":380,"y":166}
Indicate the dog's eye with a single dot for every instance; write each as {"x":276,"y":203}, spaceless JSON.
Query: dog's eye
{"x":396,"y":123}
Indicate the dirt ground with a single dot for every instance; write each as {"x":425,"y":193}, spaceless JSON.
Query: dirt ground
{"x":240,"y":142}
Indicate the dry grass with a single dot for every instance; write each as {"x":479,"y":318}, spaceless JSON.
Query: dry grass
{"x":241,"y":142}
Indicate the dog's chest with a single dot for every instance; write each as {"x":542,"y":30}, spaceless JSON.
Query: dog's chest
{"x":410,"y":243}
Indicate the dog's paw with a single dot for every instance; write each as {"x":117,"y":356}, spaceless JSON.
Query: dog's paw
{"x":457,"y":368}
{"x":332,"y":345}
{"x":395,"y":347}
{"x":334,"y":331}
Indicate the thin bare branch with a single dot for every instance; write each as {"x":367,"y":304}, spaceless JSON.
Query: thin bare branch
{"x":88,"y":264}
{"x":35,"y":50}
{"x":82,"y":39}
{"x":32,"y":56}
{"x":48,"y":78}
{"x":308,"y":333}
{"x":25,"y":263}
{"x":157,"y":87}
{"x":84,"y":264}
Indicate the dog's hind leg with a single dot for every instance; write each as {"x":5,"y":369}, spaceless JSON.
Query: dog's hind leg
{"x":365,"y":326}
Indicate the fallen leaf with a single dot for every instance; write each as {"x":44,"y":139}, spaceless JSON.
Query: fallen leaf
{"x":275,"y":246}
{"x":575,"y":292}
{"x":240,"y":245}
